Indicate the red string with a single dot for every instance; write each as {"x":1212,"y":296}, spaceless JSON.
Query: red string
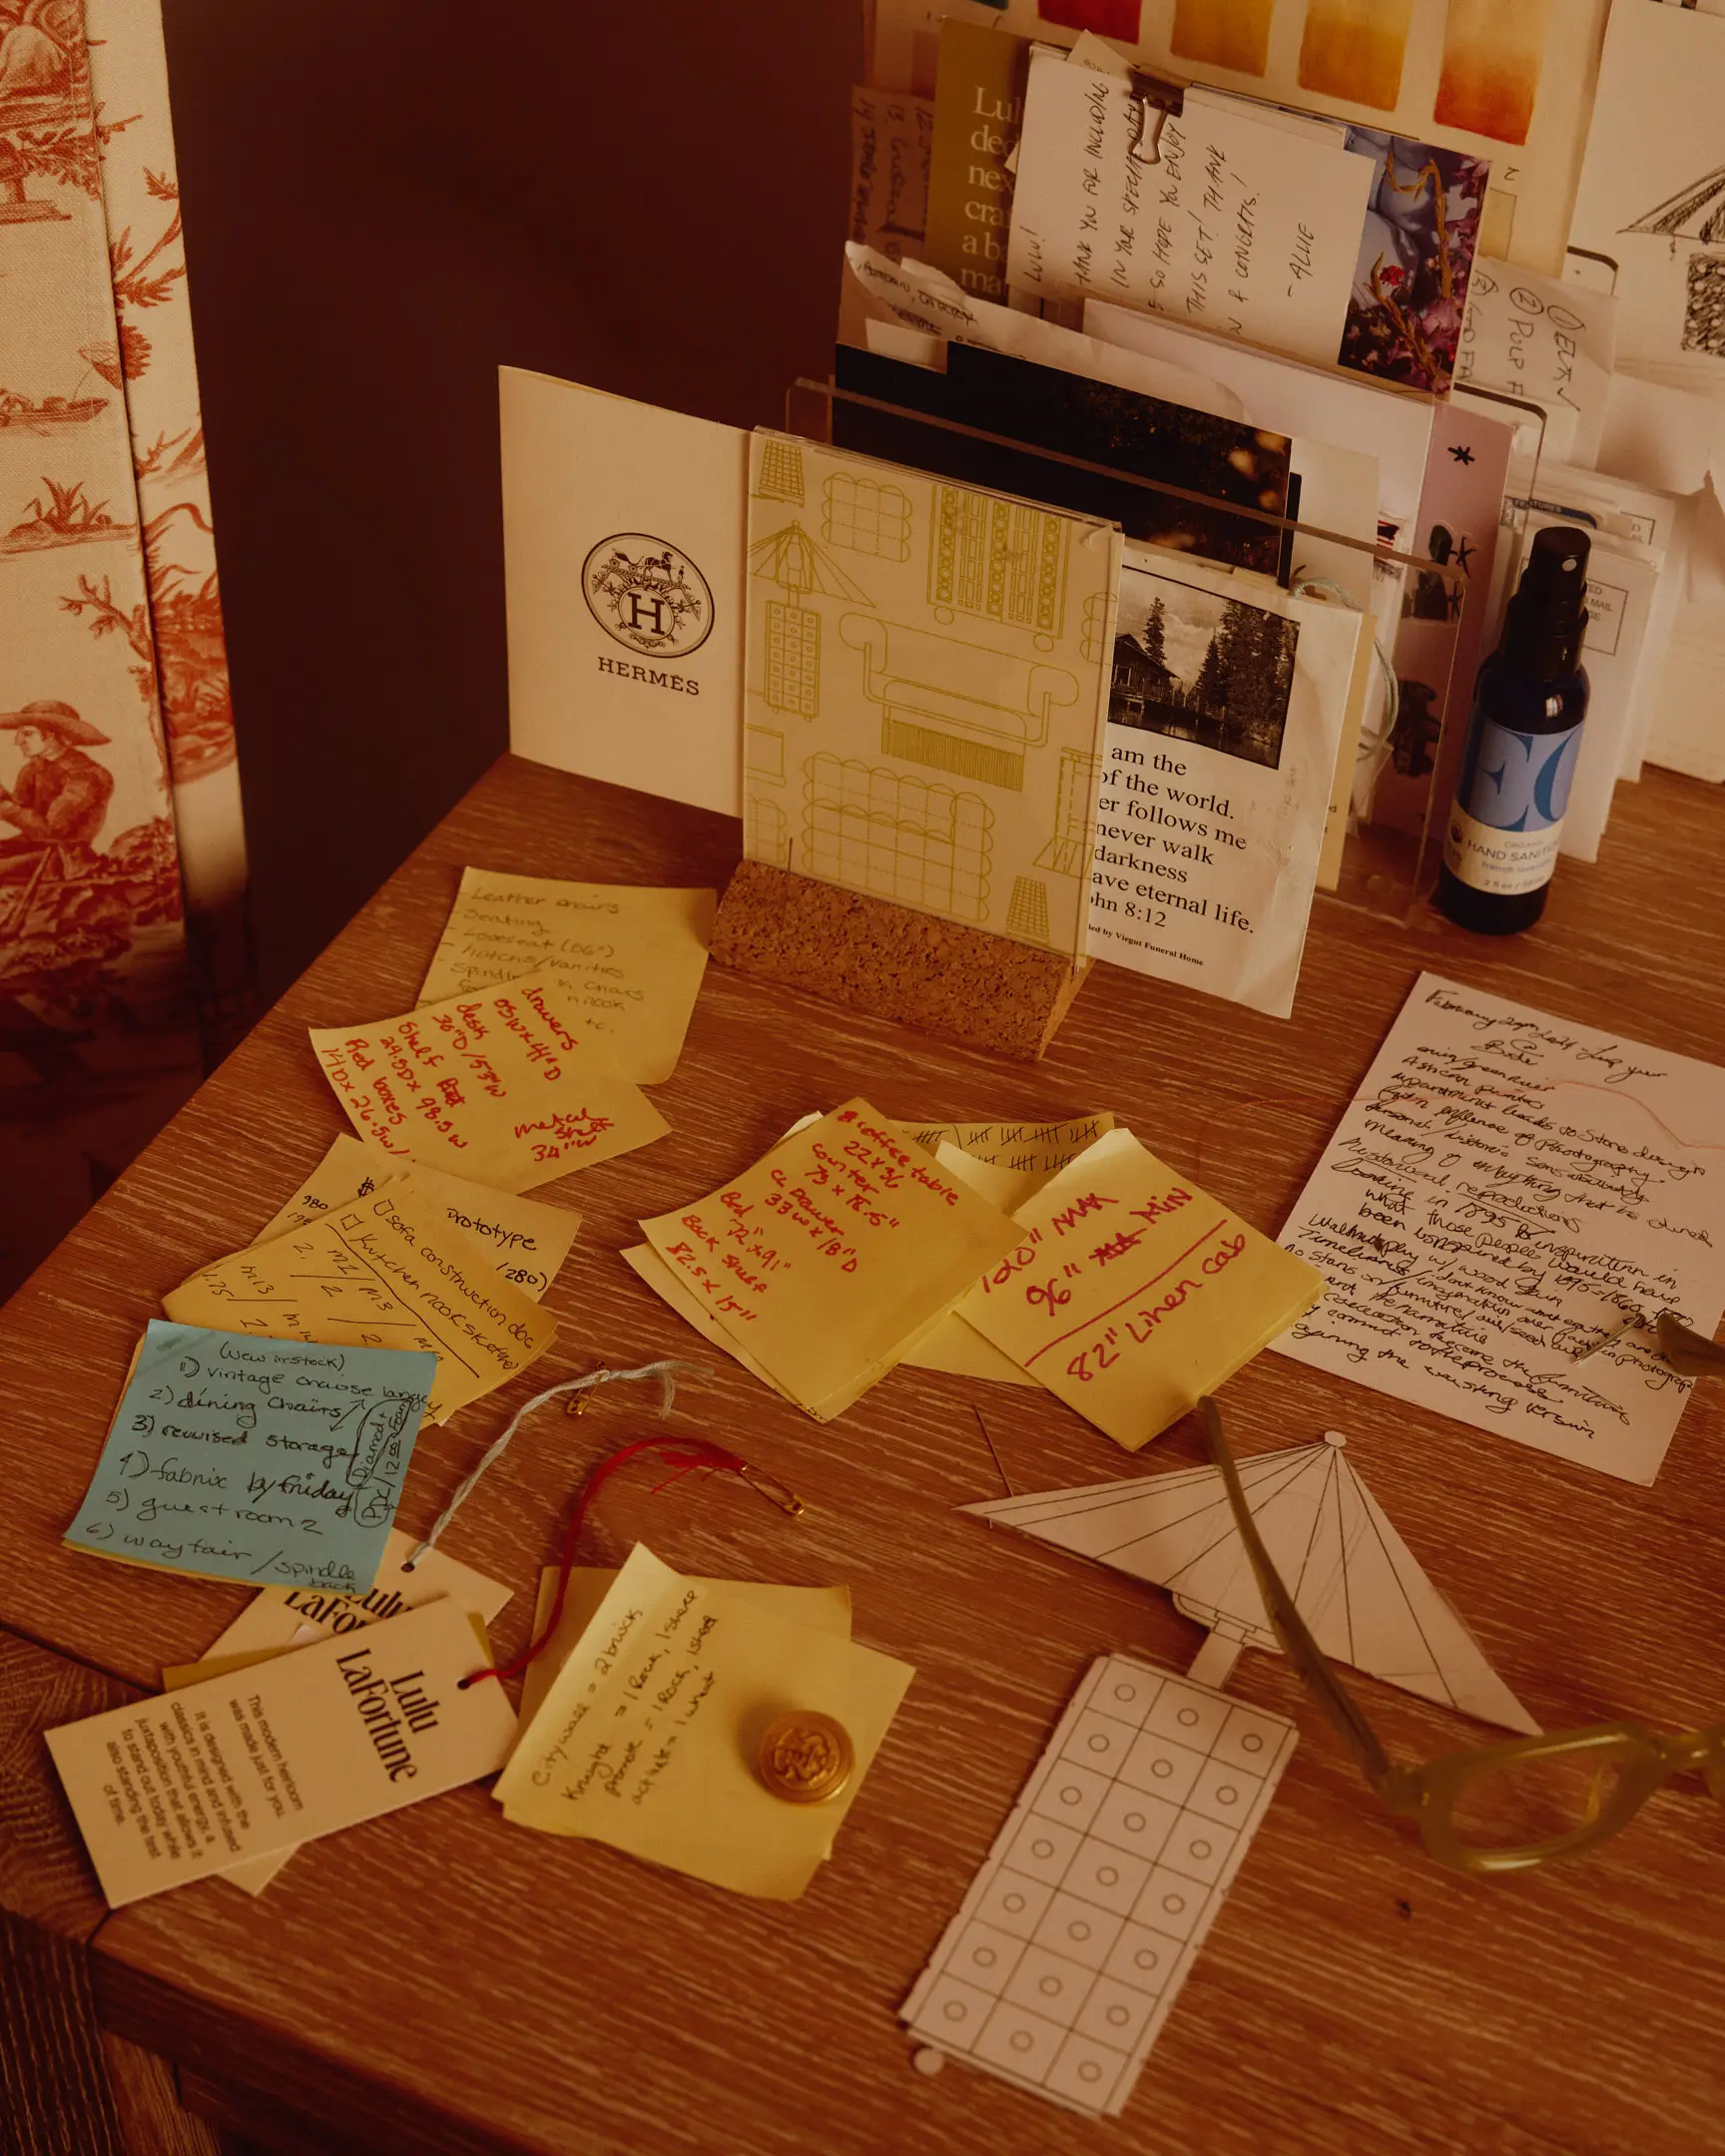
{"x":687,"y":1453}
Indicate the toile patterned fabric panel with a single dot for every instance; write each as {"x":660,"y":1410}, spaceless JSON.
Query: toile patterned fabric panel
{"x":116,"y":761}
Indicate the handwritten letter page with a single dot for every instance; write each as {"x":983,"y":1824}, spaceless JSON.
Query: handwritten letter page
{"x":256,"y":1459}
{"x":649,"y":1736}
{"x":1243,"y":228}
{"x":505,"y":1086}
{"x":629,"y":959}
{"x":1132,"y":1292}
{"x":829,"y":1258}
{"x":1504,"y":1191}
{"x":385,"y":1271}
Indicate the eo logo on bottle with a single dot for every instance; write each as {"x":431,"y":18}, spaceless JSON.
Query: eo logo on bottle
{"x":1508,"y":820}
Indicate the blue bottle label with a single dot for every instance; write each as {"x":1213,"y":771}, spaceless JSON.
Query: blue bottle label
{"x":1508,"y":815}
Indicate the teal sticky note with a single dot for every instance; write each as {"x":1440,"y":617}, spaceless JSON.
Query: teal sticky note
{"x":275,"y":1461}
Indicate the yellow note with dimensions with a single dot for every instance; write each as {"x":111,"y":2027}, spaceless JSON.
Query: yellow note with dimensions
{"x":650,"y":1735}
{"x":506,"y":1086}
{"x":1132,"y":1292}
{"x":630,"y":957}
{"x":524,"y":1238}
{"x":827,"y":1259}
{"x":385,"y":1271}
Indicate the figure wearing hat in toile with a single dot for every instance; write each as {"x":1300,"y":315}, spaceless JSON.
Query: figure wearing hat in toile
{"x":60,"y":795}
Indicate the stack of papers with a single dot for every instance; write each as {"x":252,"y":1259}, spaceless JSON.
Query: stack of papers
{"x":822,"y":1265}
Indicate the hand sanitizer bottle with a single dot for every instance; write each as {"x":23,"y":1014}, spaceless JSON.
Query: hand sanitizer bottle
{"x":1524,"y":738}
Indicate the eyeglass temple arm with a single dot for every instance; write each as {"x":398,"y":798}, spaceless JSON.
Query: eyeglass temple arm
{"x":1690,"y":1354}
{"x":1290,"y":1628}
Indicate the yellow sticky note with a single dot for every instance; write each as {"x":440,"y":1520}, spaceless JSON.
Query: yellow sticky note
{"x":1132,"y":1292}
{"x":1038,"y":1148}
{"x":173,"y":1789}
{"x":629,"y":958}
{"x":649,"y":1737}
{"x":827,"y":1609}
{"x":830,"y":1258}
{"x":524,"y":1239}
{"x":505,"y":1086}
{"x":387,"y":1272}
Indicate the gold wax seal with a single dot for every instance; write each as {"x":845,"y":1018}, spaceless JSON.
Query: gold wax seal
{"x":805,"y":1757}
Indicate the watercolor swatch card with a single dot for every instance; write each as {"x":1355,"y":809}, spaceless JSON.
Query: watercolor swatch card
{"x":170,"y":1790}
{"x":829,"y":1258}
{"x":1504,"y":1191}
{"x":505,"y":1085}
{"x":524,"y":1240}
{"x":1132,"y":1292}
{"x":926,"y":689}
{"x":648,"y":1735}
{"x":630,"y":958}
{"x":385,"y":1271}
{"x":266,"y":1460}
{"x":1234,"y":223}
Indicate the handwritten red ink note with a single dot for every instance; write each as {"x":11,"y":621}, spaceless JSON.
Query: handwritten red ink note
{"x":504,"y":1086}
{"x":1131,"y":1293}
{"x":829,"y":1258}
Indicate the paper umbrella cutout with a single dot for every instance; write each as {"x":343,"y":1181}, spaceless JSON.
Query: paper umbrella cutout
{"x":1355,"y":1581}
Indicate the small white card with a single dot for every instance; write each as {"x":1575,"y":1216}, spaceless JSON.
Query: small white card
{"x":1504,"y":1191}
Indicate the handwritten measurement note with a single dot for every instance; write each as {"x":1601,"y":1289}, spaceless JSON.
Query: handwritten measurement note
{"x":506,"y":1085}
{"x":1241,"y":226}
{"x":385,"y":1271}
{"x":1132,"y":1292}
{"x":1504,"y":1191}
{"x":827,"y":1257}
{"x":630,"y":957}
{"x":266,"y":1460}
{"x":648,"y":1737}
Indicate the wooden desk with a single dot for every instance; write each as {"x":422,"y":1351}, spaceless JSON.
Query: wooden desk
{"x":442,"y":1981}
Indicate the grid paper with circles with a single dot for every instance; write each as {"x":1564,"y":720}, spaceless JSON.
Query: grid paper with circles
{"x":1063,"y":1963}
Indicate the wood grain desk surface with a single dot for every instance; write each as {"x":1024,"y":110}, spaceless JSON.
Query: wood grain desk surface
{"x":439,"y":1980}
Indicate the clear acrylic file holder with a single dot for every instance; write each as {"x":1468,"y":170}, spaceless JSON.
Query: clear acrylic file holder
{"x":1385,"y":867}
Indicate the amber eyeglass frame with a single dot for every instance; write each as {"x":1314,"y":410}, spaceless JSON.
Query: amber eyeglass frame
{"x":1640,"y":1759}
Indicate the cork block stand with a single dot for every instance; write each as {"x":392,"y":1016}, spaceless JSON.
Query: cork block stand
{"x":867,"y":954}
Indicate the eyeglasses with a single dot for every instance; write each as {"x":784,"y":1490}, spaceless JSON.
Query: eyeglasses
{"x":1503,"y":1806}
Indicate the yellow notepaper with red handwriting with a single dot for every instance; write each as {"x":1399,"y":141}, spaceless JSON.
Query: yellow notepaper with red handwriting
{"x":170,"y":1790}
{"x":630,"y":957}
{"x":387,"y":1272}
{"x":524,"y":1239}
{"x":1132,"y":1292}
{"x":827,"y":1609}
{"x":506,"y":1086}
{"x":649,"y":1736}
{"x":830,"y":1257}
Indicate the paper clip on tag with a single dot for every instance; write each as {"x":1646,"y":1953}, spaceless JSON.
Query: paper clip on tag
{"x":1155,"y":98}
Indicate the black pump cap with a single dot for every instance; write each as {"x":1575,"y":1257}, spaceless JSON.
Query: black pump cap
{"x":1546,"y":622}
